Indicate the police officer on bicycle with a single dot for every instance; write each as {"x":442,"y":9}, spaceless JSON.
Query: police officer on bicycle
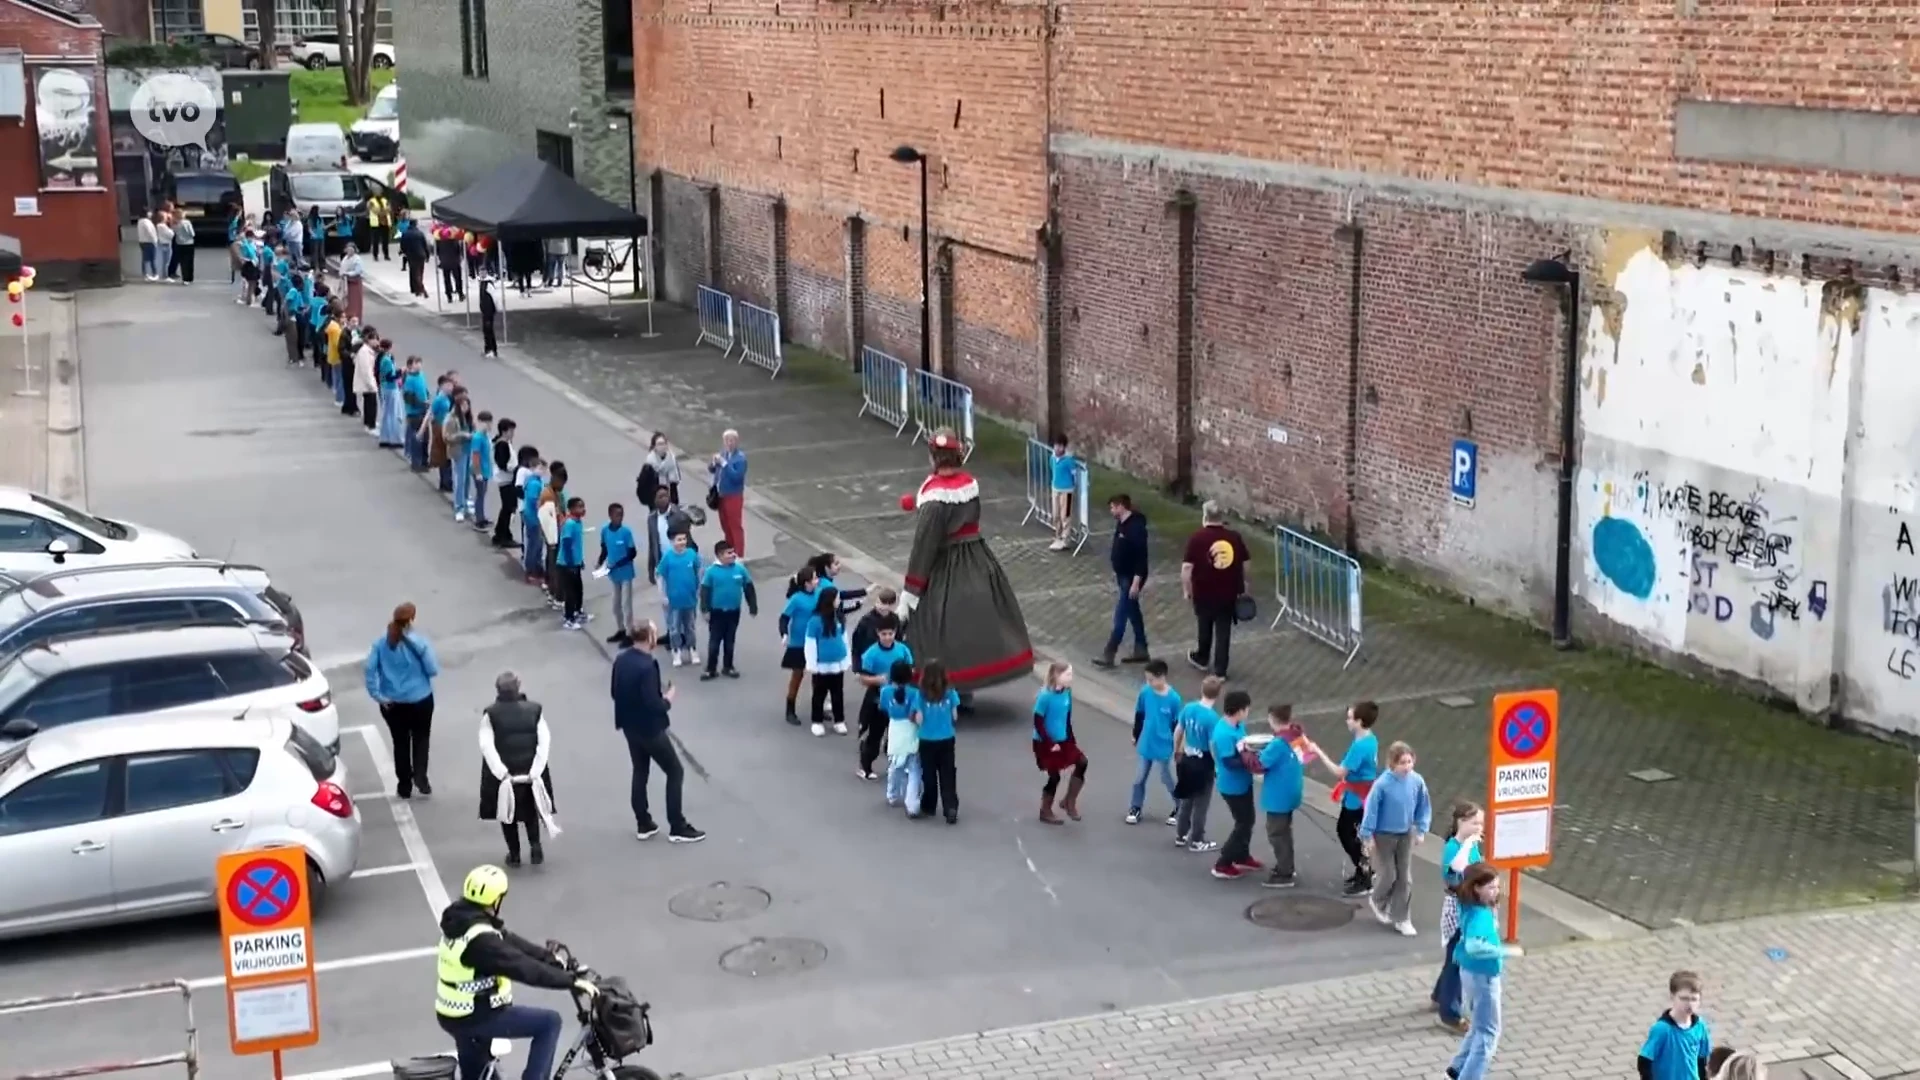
{"x":479,"y":961}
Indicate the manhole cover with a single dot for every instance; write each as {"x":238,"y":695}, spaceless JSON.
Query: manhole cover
{"x":773,"y":956}
{"x":720,"y":902}
{"x":1300,"y":913}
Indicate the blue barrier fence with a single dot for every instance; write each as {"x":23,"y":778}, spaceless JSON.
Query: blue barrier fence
{"x":939,"y":402}
{"x":1319,"y":591}
{"x":760,"y":338}
{"x":716,"y":319}
{"x":1041,"y":496}
{"x":886,"y":391}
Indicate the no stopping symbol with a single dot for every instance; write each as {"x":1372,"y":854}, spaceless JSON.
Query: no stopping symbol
{"x":1524,"y":730}
{"x":263,"y":893}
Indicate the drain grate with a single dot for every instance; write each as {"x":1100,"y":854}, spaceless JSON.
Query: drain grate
{"x":1300,"y":913}
{"x":773,"y":956}
{"x":720,"y":902}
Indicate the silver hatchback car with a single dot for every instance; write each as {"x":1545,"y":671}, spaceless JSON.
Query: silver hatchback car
{"x":123,"y":819}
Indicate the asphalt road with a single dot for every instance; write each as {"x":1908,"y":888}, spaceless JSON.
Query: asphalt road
{"x":195,"y":425}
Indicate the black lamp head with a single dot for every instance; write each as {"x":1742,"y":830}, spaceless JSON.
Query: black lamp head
{"x":907,"y":155}
{"x":1554,"y":271}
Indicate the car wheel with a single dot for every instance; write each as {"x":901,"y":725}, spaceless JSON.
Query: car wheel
{"x":316,"y":62}
{"x":316,"y":887}
{"x":381,"y":61}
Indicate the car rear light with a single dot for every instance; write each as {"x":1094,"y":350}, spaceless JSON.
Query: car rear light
{"x":333,"y":799}
{"x":314,"y":705}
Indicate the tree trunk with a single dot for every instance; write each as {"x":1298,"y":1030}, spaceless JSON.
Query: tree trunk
{"x":369,"y":12}
{"x":267,"y":18}
{"x":343,"y":13}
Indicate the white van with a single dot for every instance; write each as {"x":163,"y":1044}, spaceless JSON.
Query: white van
{"x":316,"y":148}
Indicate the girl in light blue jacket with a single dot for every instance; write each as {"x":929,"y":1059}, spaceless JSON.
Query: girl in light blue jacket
{"x":400,"y":671}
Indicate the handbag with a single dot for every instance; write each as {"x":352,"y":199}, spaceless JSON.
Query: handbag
{"x":1244,"y":609}
{"x":713,"y":498}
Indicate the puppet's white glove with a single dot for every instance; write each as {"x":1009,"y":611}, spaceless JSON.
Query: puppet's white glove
{"x":908,"y":601}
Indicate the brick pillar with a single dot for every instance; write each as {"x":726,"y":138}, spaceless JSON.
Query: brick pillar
{"x":945,"y":355}
{"x":780,"y":262}
{"x":657,"y":248}
{"x":1053,"y":391}
{"x":712,"y":268}
{"x":856,"y":298}
{"x":1185,"y":208}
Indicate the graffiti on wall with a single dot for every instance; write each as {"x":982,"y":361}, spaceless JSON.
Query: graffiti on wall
{"x":1900,"y":607}
{"x":1736,"y":556}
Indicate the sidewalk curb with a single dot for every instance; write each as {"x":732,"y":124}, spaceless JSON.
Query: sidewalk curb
{"x":66,"y":429}
{"x":1587,"y":920}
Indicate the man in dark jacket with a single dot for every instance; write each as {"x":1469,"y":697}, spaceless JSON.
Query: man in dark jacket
{"x":1129,"y":558}
{"x":479,"y":961}
{"x":641,"y":705}
{"x":489,"y":317}
{"x":448,"y":254}
{"x":413,"y":252}
{"x":1213,"y":575}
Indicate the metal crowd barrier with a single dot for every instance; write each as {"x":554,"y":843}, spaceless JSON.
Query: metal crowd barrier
{"x":885,"y":390}
{"x":716,"y":319}
{"x":940,"y":402}
{"x":189,"y":1058}
{"x":1319,"y":591}
{"x":760,"y":338}
{"x":1040,"y":496}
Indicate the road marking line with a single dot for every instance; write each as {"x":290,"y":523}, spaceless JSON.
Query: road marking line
{"x":410,"y":835}
{"x":354,"y":1072}
{"x":377,"y":871}
{"x":1045,"y":885}
{"x":346,"y":963}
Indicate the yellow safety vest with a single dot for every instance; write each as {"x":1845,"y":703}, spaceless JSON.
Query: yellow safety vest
{"x":461,"y":986}
{"x":377,"y":212}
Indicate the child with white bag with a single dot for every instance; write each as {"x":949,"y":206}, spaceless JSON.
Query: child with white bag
{"x":901,"y":704}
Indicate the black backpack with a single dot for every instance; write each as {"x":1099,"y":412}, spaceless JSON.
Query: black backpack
{"x":620,"y":1020}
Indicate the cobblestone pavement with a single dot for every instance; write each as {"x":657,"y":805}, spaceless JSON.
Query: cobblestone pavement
{"x":1821,"y":996}
{"x":1798,"y":817}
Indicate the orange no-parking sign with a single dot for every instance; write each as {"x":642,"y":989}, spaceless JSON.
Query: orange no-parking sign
{"x":1524,"y":745}
{"x":266,"y":928}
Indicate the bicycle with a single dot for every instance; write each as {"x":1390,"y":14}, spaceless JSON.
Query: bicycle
{"x":604,"y":1059}
{"x":602,"y":262}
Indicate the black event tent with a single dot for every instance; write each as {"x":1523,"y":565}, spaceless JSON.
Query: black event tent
{"x":528,"y":199}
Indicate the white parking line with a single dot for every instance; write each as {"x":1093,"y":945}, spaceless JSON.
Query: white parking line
{"x":345,"y":963}
{"x":410,"y":836}
{"x":353,"y":1072}
{"x":378,"y":871}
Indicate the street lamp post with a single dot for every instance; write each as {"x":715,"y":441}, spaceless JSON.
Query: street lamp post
{"x":1557,"y":273}
{"x":633,"y":190}
{"x":907,"y":155}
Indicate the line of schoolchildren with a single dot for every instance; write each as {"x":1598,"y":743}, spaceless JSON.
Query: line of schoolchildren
{"x":907,"y":708}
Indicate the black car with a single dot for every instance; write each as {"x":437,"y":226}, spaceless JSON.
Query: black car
{"x":208,"y":198}
{"x":226,"y":51}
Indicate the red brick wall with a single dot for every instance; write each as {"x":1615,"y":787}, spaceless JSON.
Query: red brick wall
{"x":805,"y":101}
{"x":1558,"y":98}
{"x":996,"y":313}
{"x":77,"y":235}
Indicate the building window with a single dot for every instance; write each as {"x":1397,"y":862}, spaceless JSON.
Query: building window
{"x":293,"y":19}
{"x":473,"y":38}
{"x":617,"y":16}
{"x":172,"y":17}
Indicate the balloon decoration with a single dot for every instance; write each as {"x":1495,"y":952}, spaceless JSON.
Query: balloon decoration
{"x":16,"y":293}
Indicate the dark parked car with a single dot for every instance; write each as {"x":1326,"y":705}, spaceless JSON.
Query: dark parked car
{"x":130,"y":595}
{"x":209,"y":198}
{"x":228,"y":52}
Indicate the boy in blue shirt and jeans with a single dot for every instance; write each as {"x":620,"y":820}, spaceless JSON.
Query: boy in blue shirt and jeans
{"x":618,"y":549}
{"x":1065,"y":469}
{"x":724,"y":586}
{"x":679,"y":575}
{"x":569,"y":558}
{"x":1678,"y":1045}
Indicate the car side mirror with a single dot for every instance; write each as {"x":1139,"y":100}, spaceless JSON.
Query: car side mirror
{"x":58,"y":549}
{"x":19,"y":729}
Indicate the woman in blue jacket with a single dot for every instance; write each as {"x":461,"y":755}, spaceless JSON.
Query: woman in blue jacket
{"x":401,"y":668}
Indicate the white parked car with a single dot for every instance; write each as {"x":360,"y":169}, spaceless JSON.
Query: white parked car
{"x":319,"y":51}
{"x":113,"y":821}
{"x":145,"y":669}
{"x":376,"y":136}
{"x":39,"y":534}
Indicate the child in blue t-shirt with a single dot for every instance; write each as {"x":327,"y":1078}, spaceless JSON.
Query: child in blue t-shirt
{"x":724,"y":587}
{"x":1462,"y":851}
{"x":679,"y":575}
{"x":1065,"y":470}
{"x":900,"y":703}
{"x":1192,"y":742}
{"x":793,"y":629}
{"x":618,"y":553}
{"x":828,"y":661}
{"x":875,"y":673}
{"x":1156,"y":712}
{"x":1355,"y":774}
{"x":1678,"y":1044}
{"x":938,"y":703}
{"x":569,"y":560}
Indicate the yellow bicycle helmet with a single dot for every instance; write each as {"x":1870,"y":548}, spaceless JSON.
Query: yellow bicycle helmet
{"x":485,"y":885}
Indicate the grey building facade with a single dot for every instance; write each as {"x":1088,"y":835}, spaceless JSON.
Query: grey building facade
{"x":489,"y":80}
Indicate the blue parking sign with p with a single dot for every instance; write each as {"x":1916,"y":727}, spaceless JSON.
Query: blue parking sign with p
{"x":1466,"y":471}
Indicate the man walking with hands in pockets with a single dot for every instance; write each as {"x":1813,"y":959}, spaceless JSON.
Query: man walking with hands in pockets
{"x":642,"y":701}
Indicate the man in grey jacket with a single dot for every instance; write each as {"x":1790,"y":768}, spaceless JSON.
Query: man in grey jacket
{"x":664,"y":522}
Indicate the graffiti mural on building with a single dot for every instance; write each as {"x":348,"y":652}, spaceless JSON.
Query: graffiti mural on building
{"x":1900,"y":608}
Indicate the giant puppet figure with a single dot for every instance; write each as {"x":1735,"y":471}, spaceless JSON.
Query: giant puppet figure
{"x":960,"y":606}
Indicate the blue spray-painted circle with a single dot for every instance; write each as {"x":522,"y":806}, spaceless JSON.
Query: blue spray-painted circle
{"x":1624,"y":556}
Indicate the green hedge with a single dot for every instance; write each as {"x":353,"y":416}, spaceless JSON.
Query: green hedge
{"x":143,"y":54}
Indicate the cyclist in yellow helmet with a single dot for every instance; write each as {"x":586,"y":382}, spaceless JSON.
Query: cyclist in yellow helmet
{"x":479,"y":961}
